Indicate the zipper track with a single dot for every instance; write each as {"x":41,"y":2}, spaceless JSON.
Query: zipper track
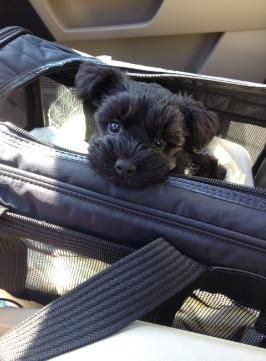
{"x":168,"y":180}
{"x":219,"y":183}
{"x":30,"y":227}
{"x":197,"y":77}
{"x":34,"y":139}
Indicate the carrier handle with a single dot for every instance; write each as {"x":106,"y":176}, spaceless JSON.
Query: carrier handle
{"x":103,"y":305}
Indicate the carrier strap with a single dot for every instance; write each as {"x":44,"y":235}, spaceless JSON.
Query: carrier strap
{"x":25,"y":57}
{"x":103,"y":305}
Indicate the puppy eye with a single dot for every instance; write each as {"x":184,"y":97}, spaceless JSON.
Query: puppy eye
{"x":114,"y":127}
{"x":160,"y":143}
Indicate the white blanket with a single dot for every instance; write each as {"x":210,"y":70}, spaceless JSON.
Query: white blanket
{"x":234,"y":158}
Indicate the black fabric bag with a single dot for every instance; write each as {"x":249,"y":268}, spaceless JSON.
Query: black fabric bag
{"x":188,"y":253}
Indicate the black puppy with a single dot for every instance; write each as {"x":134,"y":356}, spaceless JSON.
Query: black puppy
{"x":144,"y":131}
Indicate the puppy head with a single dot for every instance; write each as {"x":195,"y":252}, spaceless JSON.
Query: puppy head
{"x":140,"y":129}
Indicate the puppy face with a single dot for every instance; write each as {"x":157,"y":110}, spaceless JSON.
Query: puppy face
{"x":142,"y":129}
{"x":139,"y":139}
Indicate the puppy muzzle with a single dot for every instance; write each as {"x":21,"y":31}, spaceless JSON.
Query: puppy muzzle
{"x":127,"y":162}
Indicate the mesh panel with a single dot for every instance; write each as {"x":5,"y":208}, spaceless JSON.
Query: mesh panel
{"x":56,"y":271}
{"x":44,"y":261}
{"x":252,"y":137}
{"x":13,"y":264}
{"x":13,"y":109}
{"x":217,"y":315}
{"x":59,"y":103}
{"x":53,"y":270}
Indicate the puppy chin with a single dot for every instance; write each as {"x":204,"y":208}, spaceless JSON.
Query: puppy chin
{"x":137,"y":181}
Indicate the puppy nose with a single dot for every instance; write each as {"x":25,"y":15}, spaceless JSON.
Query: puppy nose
{"x":124,"y":167}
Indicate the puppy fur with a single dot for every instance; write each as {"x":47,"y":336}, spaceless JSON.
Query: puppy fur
{"x":144,"y":131}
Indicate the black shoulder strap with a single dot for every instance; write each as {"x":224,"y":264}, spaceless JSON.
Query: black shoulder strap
{"x":103,"y":305}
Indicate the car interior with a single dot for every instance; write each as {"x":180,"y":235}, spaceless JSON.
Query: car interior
{"x":221,"y":39}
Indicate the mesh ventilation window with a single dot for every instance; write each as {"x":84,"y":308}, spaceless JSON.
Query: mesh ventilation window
{"x":13,"y":109}
{"x":55,"y":271}
{"x":51,"y":262}
{"x":252,"y":137}
{"x":59,"y":103}
{"x":215,"y":314}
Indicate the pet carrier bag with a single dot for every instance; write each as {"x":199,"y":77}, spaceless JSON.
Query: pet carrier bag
{"x":189,"y":252}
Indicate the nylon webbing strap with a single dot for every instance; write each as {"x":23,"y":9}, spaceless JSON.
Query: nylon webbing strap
{"x":103,"y":305}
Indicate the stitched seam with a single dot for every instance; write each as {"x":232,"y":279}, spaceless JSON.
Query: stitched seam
{"x":85,"y":197}
{"x":230,"y":196}
{"x":32,"y":43}
{"x":6,"y":65}
{"x":30,"y":74}
{"x":21,"y":52}
{"x":227,"y":194}
{"x":249,"y":274}
{"x":27,"y":75}
{"x":251,"y":203}
{"x":16,"y":144}
{"x":132,"y":212}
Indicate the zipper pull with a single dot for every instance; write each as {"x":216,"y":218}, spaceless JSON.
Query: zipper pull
{"x":3,"y":210}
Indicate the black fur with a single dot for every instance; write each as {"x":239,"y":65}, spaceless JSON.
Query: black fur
{"x":148,"y":115}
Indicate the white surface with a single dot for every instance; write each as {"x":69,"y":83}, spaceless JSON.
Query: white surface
{"x":147,"y":342}
{"x":70,"y":135}
{"x":234,"y":158}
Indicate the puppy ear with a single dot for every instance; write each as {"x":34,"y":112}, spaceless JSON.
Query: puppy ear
{"x":93,"y":82}
{"x":201,"y":124}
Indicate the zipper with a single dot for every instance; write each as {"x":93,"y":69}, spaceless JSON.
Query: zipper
{"x":184,"y":75}
{"x":73,"y":240}
{"x":11,"y":32}
{"x":30,"y":137}
{"x":174,"y":181}
{"x":219,"y":183}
